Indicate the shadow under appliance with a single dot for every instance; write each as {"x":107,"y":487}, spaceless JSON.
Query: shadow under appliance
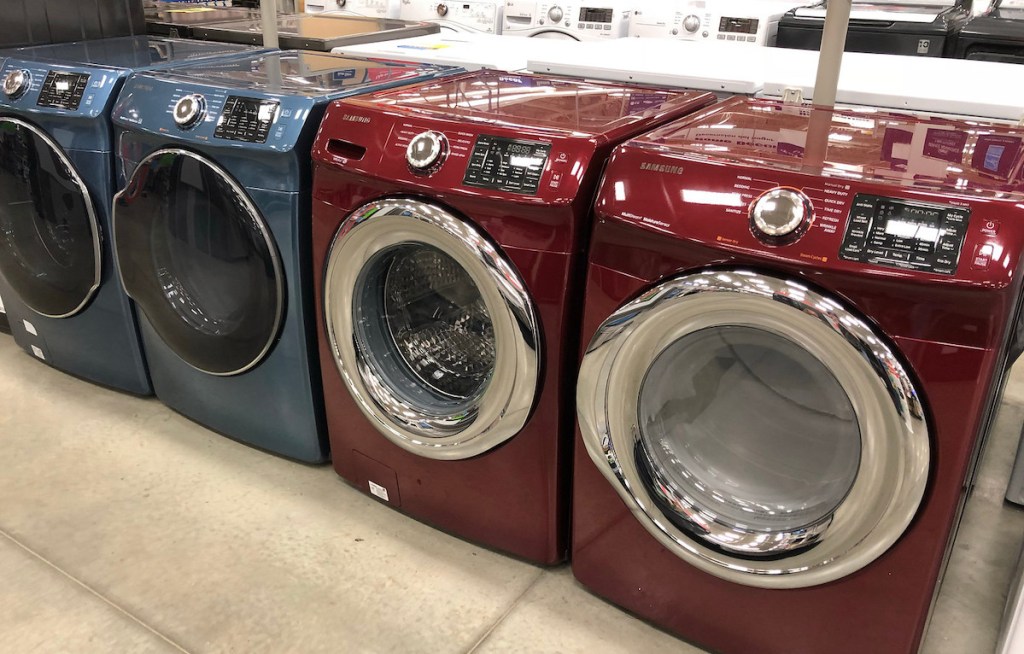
{"x":926,"y":29}
{"x":319,"y":32}
{"x":450,"y":232}
{"x":798,"y":326}
{"x":57,"y":179}
{"x":213,"y":239}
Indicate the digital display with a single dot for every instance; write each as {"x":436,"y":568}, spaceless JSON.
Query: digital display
{"x":246,"y":119}
{"x":738,"y":25}
{"x":510,"y":165}
{"x":63,"y":90}
{"x":901,"y":234}
{"x":595,"y":15}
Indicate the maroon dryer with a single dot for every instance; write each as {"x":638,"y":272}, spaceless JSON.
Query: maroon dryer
{"x":450,"y":221}
{"x":798,"y":324}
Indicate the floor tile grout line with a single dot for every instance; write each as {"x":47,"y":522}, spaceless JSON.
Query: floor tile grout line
{"x":501,"y":618}
{"x":92,"y":591}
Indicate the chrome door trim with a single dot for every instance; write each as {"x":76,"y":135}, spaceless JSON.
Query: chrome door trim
{"x":506,"y":403}
{"x":89,"y":209}
{"x":890,"y":482}
{"x":258,"y":223}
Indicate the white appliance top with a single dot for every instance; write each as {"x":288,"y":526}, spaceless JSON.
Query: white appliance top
{"x":470,"y":51}
{"x":944,"y":86}
{"x":906,"y":11}
{"x":663,"y":62}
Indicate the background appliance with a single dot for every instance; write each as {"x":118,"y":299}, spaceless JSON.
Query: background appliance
{"x":460,"y":213}
{"x":731,"y":21}
{"x":212,"y":236}
{"x":372,"y":8}
{"x":179,"y":20}
{"x":473,"y":51}
{"x":797,"y":325}
{"x":61,"y":291}
{"x":319,"y":32}
{"x":468,"y":16}
{"x":926,"y":29}
{"x":604,"y":20}
{"x":37,"y":22}
{"x":997,"y":35}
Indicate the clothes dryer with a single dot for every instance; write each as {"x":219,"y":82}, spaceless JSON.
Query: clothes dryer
{"x":599,"y":21}
{"x":795,"y":339}
{"x":926,"y":28}
{"x":997,"y":35}
{"x":371,"y":8}
{"x":212,"y":236}
{"x":468,"y":16}
{"x":448,"y":237}
{"x":320,"y":32}
{"x":57,"y":277}
{"x":731,"y":21}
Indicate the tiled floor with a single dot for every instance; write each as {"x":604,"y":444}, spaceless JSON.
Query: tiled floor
{"x":126,"y":528}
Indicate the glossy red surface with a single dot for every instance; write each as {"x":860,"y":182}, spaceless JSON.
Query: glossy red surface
{"x":950,"y":330}
{"x":515,"y":497}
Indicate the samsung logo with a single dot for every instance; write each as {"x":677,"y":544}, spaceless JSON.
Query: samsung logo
{"x":662,"y":168}
{"x":355,"y":119}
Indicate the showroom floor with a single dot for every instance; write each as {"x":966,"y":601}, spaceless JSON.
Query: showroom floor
{"x":125,"y":527}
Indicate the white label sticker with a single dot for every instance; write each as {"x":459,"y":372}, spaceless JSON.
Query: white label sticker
{"x":379,"y":491}
{"x":39,"y":353}
{"x":30,"y":328}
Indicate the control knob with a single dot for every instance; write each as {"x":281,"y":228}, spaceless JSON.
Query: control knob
{"x":442,"y":10}
{"x":555,"y":14}
{"x":780,"y":214}
{"x":189,"y":110}
{"x":426,"y":151}
{"x":691,"y":23}
{"x":16,"y":83}
{"x":341,"y":3}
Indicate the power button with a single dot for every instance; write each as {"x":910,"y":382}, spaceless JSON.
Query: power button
{"x":990,"y":227}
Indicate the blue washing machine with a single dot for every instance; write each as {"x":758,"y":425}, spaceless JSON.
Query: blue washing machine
{"x":213,"y":235}
{"x":57,"y":276}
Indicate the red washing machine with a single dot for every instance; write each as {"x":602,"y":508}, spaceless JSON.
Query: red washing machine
{"x":450,"y":224}
{"x":798,"y":325}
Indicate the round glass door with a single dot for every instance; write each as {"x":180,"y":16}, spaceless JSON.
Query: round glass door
{"x":432,"y":329}
{"x":49,"y":237}
{"x":758,"y":429}
{"x":199,"y":261}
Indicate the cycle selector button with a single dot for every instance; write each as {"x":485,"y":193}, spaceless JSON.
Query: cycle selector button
{"x":442,"y":10}
{"x":426,"y":151}
{"x":691,"y":23}
{"x":780,"y":213}
{"x":189,"y":110}
{"x":555,"y":14}
{"x":16,"y":83}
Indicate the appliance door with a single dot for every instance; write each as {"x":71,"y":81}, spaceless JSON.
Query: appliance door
{"x":49,"y":234}
{"x":755,"y":427}
{"x":200,"y":262}
{"x":432,"y":329}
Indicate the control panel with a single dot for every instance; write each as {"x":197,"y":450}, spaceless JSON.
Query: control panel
{"x":372,"y":8}
{"x":693,"y":22}
{"x":482,"y":16}
{"x":63,"y":90}
{"x":246,"y":119}
{"x":901,"y":234}
{"x":503,"y":164}
{"x":607,"y":20}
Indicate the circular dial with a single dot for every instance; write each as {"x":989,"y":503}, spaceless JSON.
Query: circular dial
{"x":189,"y":110}
{"x":780,"y":212}
{"x":691,"y":23}
{"x":426,"y":151}
{"x":341,"y":3}
{"x":555,"y":13}
{"x":16,"y":83}
{"x":442,"y":10}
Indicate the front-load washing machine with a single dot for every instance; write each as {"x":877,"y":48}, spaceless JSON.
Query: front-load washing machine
{"x":468,"y":16}
{"x":927,"y":28}
{"x":448,"y":236}
{"x":213,"y":240}
{"x":795,"y":338}
{"x":318,"y":32}
{"x":731,"y":21}
{"x":997,"y":35}
{"x":372,"y":8}
{"x":57,"y":277}
{"x":597,"y":21}
{"x":474,"y":51}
